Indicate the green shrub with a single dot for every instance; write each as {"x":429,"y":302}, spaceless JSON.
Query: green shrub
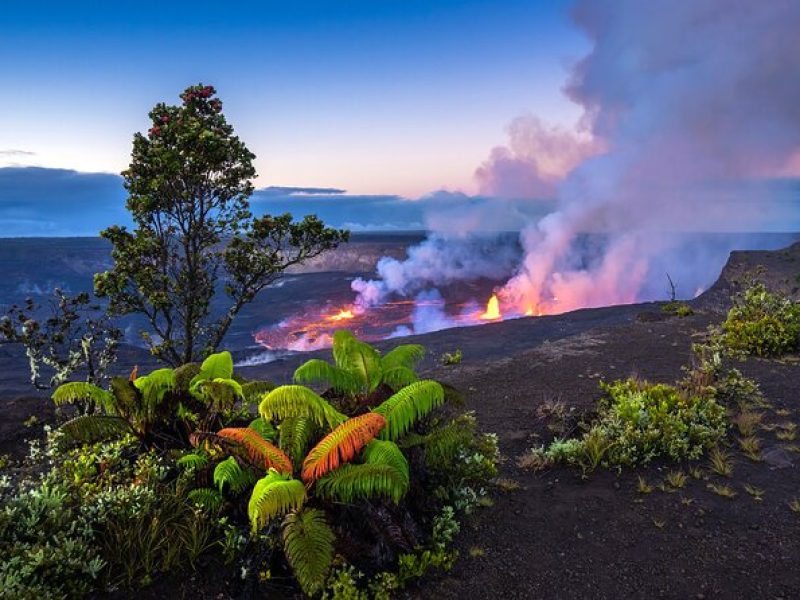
{"x":762,"y":323}
{"x":452,"y":358}
{"x":677,"y":308}
{"x":639,"y":421}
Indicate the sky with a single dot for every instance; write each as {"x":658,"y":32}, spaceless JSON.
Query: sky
{"x":388,"y":97}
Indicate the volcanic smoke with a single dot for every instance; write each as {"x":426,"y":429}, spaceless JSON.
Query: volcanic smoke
{"x":690,"y":121}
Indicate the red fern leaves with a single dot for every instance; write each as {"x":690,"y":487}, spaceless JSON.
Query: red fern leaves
{"x":260,"y":452}
{"x":341,"y":445}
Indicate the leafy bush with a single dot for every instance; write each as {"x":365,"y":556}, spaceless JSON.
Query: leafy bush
{"x":677,"y":308}
{"x":101,"y":515}
{"x":762,"y":323}
{"x":639,"y":421}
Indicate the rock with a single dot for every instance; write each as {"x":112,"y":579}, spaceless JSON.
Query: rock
{"x":777,"y":458}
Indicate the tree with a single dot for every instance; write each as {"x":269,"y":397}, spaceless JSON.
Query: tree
{"x":76,"y":335}
{"x":194,"y":236}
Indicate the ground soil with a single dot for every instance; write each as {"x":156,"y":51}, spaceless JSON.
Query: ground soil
{"x":565,"y":535}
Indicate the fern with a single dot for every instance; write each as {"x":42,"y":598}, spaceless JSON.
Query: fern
{"x":381,"y":452}
{"x":274,"y":495}
{"x":229,"y":473}
{"x":264,"y":429}
{"x":341,"y":445}
{"x":408,"y":405}
{"x":296,"y":434}
{"x":297,"y":401}
{"x":360,"y":359}
{"x":193,"y":461}
{"x":94,"y":428}
{"x":443,"y":444}
{"x":260,"y":452}
{"x":253,"y":391}
{"x":82,"y":392}
{"x":153,"y":387}
{"x":320,"y":371}
{"x":406,"y":355}
{"x":399,"y":377}
{"x":308,"y":545}
{"x":207,"y":498}
{"x":350,"y":482}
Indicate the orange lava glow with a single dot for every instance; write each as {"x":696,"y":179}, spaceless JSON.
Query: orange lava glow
{"x":342,"y":315}
{"x":492,"y":309}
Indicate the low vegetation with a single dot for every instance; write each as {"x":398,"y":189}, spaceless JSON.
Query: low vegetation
{"x":762,"y":323}
{"x":157,"y":471}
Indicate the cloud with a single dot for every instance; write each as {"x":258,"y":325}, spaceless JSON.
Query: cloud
{"x":36,"y":201}
{"x":276,"y":190}
{"x":16,"y":152}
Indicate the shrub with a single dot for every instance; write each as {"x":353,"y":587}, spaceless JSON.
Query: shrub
{"x":639,"y":421}
{"x":677,"y":308}
{"x":762,"y":323}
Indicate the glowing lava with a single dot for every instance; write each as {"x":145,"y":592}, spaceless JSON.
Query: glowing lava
{"x":492,"y":309}
{"x":342,"y":315}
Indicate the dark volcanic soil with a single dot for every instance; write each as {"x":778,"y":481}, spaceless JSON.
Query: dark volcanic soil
{"x":563,"y":536}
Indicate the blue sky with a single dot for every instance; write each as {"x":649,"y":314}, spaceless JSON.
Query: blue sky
{"x":375,"y":97}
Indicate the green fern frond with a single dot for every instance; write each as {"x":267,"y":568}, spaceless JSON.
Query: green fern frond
{"x":358,"y":358}
{"x":341,"y":445}
{"x":253,"y":391}
{"x":298,"y":401}
{"x":127,"y":399}
{"x":384,"y":452}
{"x":264,"y":429}
{"x":308,"y":545}
{"x":193,"y":460}
{"x":80,"y":391}
{"x":153,"y":387}
{"x":443,"y":444}
{"x":405,"y":355}
{"x":399,"y":377}
{"x":207,"y":498}
{"x":351,"y":482}
{"x":296,"y":435}
{"x":229,"y":473}
{"x":320,"y":371}
{"x":408,"y":405}
{"x":94,"y":428}
{"x":273,"y":496}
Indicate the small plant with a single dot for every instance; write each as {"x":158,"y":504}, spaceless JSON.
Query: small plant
{"x":756,"y":493}
{"x":794,"y":505}
{"x":642,"y":486}
{"x":677,"y":308}
{"x":751,"y":446}
{"x":533,"y":460}
{"x":506,"y":484}
{"x":762,"y":323}
{"x":676,"y":479}
{"x":722,"y":490}
{"x":687,"y":501}
{"x":786,"y":435}
{"x":452,"y":358}
{"x":696,"y":472}
{"x":720,"y":462}
{"x":748,"y":421}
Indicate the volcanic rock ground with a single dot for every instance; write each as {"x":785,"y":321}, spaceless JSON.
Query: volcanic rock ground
{"x":561,"y":535}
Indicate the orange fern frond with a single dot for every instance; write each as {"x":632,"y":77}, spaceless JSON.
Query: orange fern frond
{"x":341,"y":445}
{"x":259,"y":451}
